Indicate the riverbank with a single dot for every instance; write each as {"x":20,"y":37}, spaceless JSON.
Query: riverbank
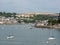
{"x":48,"y":26}
{"x":36,"y":26}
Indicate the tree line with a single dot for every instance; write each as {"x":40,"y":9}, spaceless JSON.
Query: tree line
{"x":37,"y":17}
{"x":5,"y":14}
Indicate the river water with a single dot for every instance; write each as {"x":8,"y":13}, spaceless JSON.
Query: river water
{"x":24,"y":34}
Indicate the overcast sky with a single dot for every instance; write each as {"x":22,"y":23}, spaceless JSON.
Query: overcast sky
{"x":22,"y":6}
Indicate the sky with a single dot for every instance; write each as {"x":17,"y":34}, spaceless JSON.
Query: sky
{"x":23,"y":6}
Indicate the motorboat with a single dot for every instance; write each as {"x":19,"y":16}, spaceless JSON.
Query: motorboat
{"x":10,"y":37}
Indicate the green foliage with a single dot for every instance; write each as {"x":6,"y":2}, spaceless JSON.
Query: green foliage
{"x":28,"y":21}
{"x":41,"y":17}
{"x":19,"y":21}
{"x":59,"y":18}
{"x":7,"y":14}
{"x":52,"y":21}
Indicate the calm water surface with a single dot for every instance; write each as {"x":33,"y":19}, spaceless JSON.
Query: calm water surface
{"x":23,"y":35}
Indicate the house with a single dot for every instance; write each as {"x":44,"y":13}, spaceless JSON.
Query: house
{"x":24,"y":15}
{"x":41,"y":23}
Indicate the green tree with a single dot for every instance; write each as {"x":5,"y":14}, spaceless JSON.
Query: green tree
{"x":0,"y":13}
{"x":59,"y":18}
{"x":52,"y":21}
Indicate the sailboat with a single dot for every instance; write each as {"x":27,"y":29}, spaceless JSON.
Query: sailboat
{"x":10,"y":37}
{"x":51,"y":36}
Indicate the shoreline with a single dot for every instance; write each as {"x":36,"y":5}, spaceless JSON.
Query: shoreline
{"x":37,"y":26}
{"x":49,"y":26}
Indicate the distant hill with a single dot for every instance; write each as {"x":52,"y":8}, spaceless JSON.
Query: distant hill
{"x":43,"y":13}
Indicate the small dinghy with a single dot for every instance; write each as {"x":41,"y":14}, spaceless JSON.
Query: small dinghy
{"x":10,"y":37}
{"x":44,"y":42}
{"x":30,"y":27}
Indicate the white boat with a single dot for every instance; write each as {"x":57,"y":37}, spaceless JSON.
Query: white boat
{"x":10,"y":37}
{"x":51,"y":38}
